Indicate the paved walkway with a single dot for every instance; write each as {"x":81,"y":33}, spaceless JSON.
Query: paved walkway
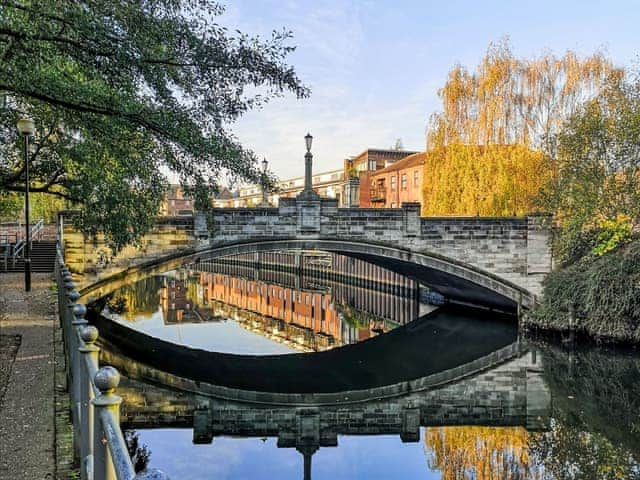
{"x":27,"y":396}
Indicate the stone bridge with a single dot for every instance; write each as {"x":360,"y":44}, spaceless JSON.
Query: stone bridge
{"x":498,"y":262}
{"x":495,"y":262}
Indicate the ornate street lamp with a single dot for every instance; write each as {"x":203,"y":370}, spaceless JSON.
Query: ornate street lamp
{"x":308,"y":158}
{"x":265,"y":164}
{"x":308,"y":138}
{"x":27,"y":129}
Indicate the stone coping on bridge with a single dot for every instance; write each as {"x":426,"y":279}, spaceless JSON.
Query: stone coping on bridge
{"x":139,"y":371}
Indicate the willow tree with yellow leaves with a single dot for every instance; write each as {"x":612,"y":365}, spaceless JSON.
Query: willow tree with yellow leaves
{"x":511,"y":101}
{"x":480,"y":453}
{"x":491,"y":180}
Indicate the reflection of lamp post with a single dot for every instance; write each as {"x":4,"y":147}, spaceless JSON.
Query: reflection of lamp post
{"x":264,"y":202}
{"x":26,"y":129}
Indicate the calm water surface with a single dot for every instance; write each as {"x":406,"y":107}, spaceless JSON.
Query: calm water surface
{"x":519,"y":409}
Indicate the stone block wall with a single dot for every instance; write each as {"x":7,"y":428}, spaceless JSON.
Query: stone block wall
{"x":509,"y":394}
{"x":94,"y":257}
{"x":515,"y":249}
{"x":236,"y":224}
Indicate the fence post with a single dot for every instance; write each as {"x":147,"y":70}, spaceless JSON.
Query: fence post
{"x":106,"y":380}
{"x":79,"y":310}
{"x":89,"y":364}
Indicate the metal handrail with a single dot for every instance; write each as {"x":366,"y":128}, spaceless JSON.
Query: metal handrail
{"x":36,"y":229}
{"x":99,"y":444}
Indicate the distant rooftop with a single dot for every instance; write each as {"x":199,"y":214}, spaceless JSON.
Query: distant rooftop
{"x":407,"y":162}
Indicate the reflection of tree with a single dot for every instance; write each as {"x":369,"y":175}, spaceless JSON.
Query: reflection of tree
{"x":193,"y":291}
{"x":594,"y":435}
{"x":571,"y":452}
{"x":479,"y":453}
{"x":596,"y":429}
{"x":139,"y":454}
{"x":360,"y":319}
{"x":139,"y":300}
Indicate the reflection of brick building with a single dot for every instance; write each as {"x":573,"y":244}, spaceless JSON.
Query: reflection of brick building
{"x":174,"y":302}
{"x":398,"y":183}
{"x":354,"y":283}
{"x":310,"y":310}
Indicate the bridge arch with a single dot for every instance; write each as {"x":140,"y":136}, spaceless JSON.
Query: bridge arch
{"x":455,"y":280}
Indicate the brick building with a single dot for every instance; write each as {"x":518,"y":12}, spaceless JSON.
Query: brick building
{"x":395,"y":184}
{"x":175,"y":203}
{"x":359,"y":169}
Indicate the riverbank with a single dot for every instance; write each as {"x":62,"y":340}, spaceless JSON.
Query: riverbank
{"x":596,"y":298}
{"x":34,"y":423}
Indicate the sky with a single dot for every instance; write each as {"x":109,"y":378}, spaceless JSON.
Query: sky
{"x":375,"y":66}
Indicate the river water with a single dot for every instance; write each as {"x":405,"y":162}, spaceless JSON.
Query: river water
{"x":364,"y":373}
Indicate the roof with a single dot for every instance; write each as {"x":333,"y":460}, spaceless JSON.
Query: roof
{"x":224,"y":194}
{"x":387,"y":151}
{"x":407,"y":162}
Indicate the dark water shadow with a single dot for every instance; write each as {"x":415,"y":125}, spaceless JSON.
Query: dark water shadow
{"x":440,"y":341}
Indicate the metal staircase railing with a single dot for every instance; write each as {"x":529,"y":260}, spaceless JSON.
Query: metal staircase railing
{"x":36,"y":233}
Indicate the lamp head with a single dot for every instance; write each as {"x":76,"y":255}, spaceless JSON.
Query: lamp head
{"x":265,"y":164}
{"x":308,"y":138}
{"x":26,"y":127}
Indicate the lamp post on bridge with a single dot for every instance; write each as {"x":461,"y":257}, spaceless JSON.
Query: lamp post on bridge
{"x":308,"y":159}
{"x":264,"y":202}
{"x":26,"y":129}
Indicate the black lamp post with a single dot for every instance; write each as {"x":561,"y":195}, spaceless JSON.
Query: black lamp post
{"x":265,"y":164}
{"x":308,"y":158}
{"x":26,"y":129}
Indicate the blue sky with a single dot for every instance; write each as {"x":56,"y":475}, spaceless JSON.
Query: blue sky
{"x":381,"y":457}
{"x":375,"y":67}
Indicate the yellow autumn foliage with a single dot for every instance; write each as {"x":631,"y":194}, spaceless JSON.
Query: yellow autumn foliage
{"x":510,"y":100}
{"x":484,"y":146}
{"x":492,"y":180}
{"x":479,"y":453}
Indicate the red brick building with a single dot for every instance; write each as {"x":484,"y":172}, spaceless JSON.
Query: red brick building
{"x":175,"y":203}
{"x":361,"y":167}
{"x":393,"y":185}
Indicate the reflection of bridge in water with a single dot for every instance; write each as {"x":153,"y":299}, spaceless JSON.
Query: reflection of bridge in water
{"x":502,"y":389}
{"x":308,"y":300}
{"x":449,"y":368}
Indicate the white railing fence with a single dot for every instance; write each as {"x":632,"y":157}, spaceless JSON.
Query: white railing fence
{"x":99,"y":444}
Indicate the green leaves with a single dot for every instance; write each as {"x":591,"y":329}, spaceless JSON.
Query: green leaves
{"x":596,"y":195}
{"x":130,"y":91}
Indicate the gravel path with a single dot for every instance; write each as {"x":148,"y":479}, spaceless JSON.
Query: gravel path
{"x":27,"y":408}
{"x":9,"y":345}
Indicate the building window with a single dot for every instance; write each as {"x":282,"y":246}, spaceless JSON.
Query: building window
{"x":393,"y":184}
{"x":372,"y":165}
{"x":403,"y":181}
{"x":416,"y":178}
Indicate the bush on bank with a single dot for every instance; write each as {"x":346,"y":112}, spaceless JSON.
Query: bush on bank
{"x":603,"y":291}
